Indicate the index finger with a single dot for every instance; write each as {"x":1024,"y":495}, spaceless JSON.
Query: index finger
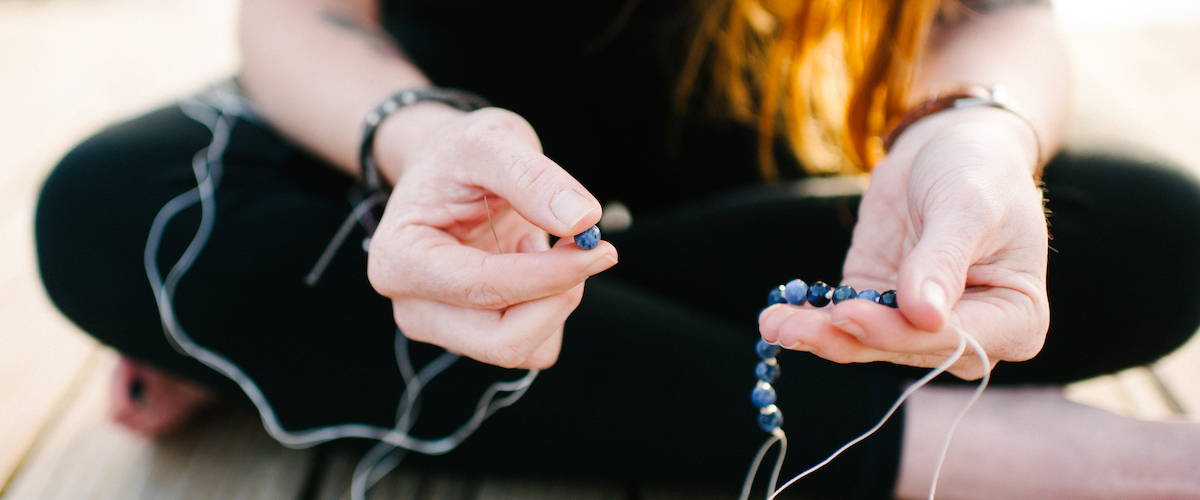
{"x":1001,"y":319}
{"x":535,"y":186}
{"x":425,"y":262}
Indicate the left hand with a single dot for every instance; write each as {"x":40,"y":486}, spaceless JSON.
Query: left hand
{"x":953,"y":221}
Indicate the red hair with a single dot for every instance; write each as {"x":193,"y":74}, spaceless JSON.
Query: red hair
{"x":827,"y":75}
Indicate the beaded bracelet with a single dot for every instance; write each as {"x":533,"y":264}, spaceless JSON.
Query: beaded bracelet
{"x":797,"y":292}
{"x":371,"y":179}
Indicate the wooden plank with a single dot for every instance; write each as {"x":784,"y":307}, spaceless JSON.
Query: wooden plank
{"x":334,"y":483}
{"x":445,"y":486}
{"x":1147,"y":397}
{"x":1104,"y":392}
{"x":506,"y":488}
{"x":46,"y":49}
{"x":225,"y":454}
{"x":1180,"y":373}
{"x":679,"y":492}
{"x":42,"y":353}
{"x":1133,"y":393}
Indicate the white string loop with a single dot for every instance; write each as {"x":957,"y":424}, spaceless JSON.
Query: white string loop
{"x":219,"y":114}
{"x":963,"y":340}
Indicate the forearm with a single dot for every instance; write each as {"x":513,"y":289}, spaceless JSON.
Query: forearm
{"x":1013,"y":43}
{"x":315,"y":68}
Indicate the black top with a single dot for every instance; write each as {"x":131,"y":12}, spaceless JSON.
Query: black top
{"x":598,"y":91}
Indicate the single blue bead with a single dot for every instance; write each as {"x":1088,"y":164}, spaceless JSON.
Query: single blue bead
{"x":766,"y":372}
{"x":762,"y":395}
{"x":796,"y":291}
{"x":771,"y":420}
{"x":869,"y":294}
{"x":816,"y":294}
{"x":888,"y":298}
{"x":844,"y":292}
{"x":588,"y":240}
{"x":775,"y":296}
{"x":765,"y":350}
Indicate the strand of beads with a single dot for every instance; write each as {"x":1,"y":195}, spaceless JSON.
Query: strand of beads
{"x":797,"y":292}
{"x":763,"y":396}
{"x":819,"y":294}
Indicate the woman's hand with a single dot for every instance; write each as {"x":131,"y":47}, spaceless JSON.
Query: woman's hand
{"x":434,"y":253}
{"x":954,"y":222}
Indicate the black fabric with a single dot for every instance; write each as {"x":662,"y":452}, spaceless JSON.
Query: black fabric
{"x":656,"y":368}
{"x":596,"y":85}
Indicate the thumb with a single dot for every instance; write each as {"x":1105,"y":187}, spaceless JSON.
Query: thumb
{"x":933,"y":275}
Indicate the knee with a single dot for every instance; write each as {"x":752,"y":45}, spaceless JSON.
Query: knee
{"x":1133,"y":221}
{"x":68,"y":227}
{"x":90,"y":227}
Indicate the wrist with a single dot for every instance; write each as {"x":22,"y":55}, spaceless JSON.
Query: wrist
{"x":995,"y":132}
{"x":404,"y":131}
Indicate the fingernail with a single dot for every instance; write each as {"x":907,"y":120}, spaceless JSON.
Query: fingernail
{"x":569,"y":207}
{"x":601,"y":264}
{"x":851,"y":327}
{"x":798,"y":346}
{"x":933,"y":294}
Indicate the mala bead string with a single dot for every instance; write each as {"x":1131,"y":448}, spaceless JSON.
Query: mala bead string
{"x":797,"y":292}
{"x":770,"y":418}
{"x":819,"y":294}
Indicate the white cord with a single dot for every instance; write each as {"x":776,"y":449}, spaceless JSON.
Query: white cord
{"x":963,"y":339}
{"x":748,"y":483}
{"x":382,"y":458}
{"x":219,"y":116}
{"x":983,"y":383}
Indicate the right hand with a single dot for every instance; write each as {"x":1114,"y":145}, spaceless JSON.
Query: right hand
{"x":434,"y":255}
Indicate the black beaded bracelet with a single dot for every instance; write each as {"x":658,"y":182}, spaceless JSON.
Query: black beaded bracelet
{"x":457,"y":99}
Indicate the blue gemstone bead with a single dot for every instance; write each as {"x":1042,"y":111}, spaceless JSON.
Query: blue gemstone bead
{"x":775,"y":296}
{"x":869,"y":294}
{"x":588,"y":240}
{"x":888,"y":298}
{"x":816,"y":294}
{"x":763,"y":395}
{"x":771,"y":420}
{"x":796,"y":291}
{"x":765,"y":350}
{"x":766,"y":372}
{"x":844,"y":292}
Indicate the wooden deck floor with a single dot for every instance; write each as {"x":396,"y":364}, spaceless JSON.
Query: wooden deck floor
{"x":74,"y":66}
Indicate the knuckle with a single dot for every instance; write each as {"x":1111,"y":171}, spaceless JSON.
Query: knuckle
{"x":485,"y":295}
{"x":383,"y":274}
{"x":492,"y":122}
{"x":1034,"y":332}
{"x":407,"y":328}
{"x":508,"y":353}
{"x":1026,"y":350}
{"x":950,"y":255}
{"x":527,"y":175}
{"x":377,"y":276}
{"x":543,"y":360}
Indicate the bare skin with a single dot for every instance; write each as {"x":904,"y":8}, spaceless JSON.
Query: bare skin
{"x":1033,"y":443}
{"x":315,"y":67}
{"x":150,"y":402}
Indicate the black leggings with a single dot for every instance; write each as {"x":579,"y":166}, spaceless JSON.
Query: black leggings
{"x":656,"y":369}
